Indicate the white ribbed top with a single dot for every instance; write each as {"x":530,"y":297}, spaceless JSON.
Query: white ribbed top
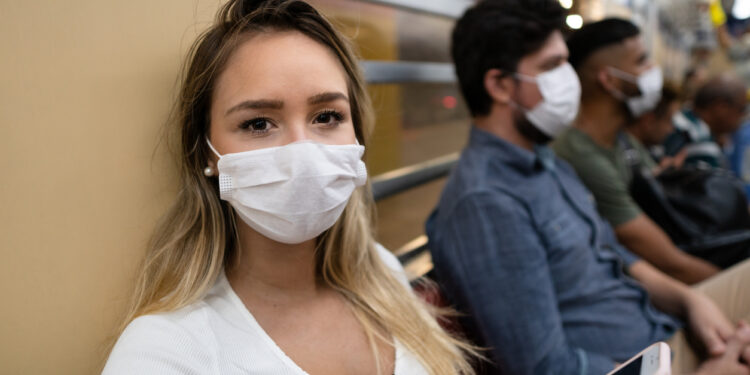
{"x":217,"y":335}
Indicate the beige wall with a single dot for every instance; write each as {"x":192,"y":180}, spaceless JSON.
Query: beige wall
{"x":85,"y":86}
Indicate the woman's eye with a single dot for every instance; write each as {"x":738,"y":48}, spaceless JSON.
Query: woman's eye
{"x":330,"y":118}
{"x":257,"y":125}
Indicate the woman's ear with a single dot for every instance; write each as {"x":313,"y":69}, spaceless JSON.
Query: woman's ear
{"x":498,"y":86}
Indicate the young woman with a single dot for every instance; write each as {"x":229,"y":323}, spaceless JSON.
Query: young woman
{"x":266,"y":263}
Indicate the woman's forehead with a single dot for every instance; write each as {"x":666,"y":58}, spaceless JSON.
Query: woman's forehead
{"x":282,"y":64}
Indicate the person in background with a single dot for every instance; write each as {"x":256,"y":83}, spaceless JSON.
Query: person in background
{"x":266,"y":262}
{"x":620,"y":83}
{"x":702,"y":130}
{"x":516,"y":240}
{"x":652,"y":128}
{"x":694,"y":78}
{"x":738,"y":154}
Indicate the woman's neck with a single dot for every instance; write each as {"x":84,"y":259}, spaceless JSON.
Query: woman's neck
{"x":272,"y":270}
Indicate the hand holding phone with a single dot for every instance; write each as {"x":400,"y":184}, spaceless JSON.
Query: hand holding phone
{"x":654,"y":360}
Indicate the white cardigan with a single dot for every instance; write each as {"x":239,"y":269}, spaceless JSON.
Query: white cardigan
{"x":217,"y":335}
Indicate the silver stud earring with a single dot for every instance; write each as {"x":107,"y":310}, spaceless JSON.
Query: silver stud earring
{"x":208,"y":171}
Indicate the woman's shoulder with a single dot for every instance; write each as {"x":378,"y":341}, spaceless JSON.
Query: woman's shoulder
{"x":393,"y":264}
{"x":173,"y":342}
{"x":216,"y":334}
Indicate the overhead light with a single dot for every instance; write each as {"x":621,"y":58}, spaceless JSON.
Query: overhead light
{"x":567,"y":4}
{"x":574,"y":21}
{"x":741,"y":9}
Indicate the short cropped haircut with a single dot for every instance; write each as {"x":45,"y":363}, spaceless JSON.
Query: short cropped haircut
{"x":597,"y":35}
{"x":722,"y":89}
{"x":497,"y":34}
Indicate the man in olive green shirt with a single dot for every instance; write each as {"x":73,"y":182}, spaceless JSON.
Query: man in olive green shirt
{"x":604,"y":171}
{"x":619,"y":84}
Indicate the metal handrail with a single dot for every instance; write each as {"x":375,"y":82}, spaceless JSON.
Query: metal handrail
{"x":402,"y":179}
{"x":445,"y":8}
{"x":414,"y":255}
{"x":411,"y":248}
{"x":408,"y":72}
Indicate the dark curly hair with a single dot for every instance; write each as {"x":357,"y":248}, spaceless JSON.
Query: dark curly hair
{"x":497,"y":34}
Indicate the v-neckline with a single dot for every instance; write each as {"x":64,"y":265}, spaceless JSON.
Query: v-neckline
{"x":255,"y":326}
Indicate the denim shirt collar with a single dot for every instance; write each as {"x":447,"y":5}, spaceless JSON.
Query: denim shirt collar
{"x":519,"y":158}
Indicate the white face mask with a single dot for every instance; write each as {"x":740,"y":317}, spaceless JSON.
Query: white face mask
{"x":291,"y":193}
{"x":649,"y":83}
{"x":561,"y":97}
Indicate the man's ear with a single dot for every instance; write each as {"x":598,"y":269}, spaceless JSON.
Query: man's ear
{"x":499,"y":86}
{"x":605,"y":80}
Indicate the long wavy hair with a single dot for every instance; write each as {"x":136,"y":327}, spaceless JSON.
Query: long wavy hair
{"x":197,"y":238}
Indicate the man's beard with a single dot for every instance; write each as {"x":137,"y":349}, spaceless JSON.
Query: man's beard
{"x":629,"y":116}
{"x":529,"y":130}
{"x":629,"y":90}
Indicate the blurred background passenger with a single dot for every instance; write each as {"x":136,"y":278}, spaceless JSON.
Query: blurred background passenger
{"x":653,"y":127}
{"x":694,"y":78}
{"x":266,"y":262}
{"x":620,"y":83}
{"x":704,"y":129}
{"x":738,"y":154}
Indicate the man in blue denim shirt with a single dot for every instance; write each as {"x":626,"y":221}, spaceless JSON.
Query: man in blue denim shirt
{"x":517,"y":231}
{"x":516,"y":239}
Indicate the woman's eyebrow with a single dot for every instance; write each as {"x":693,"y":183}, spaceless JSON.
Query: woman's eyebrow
{"x":257,"y":104}
{"x":326,"y":97}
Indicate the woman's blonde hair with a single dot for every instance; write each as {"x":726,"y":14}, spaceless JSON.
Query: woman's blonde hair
{"x":197,"y":237}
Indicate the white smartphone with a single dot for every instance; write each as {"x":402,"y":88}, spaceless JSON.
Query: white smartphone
{"x":654,"y":360}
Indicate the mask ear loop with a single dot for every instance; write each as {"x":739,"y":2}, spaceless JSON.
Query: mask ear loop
{"x":225,"y":182}
{"x":209,"y":170}
{"x":213,"y":149}
{"x":632,"y":78}
{"x":524,"y":78}
{"x":619,"y":95}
